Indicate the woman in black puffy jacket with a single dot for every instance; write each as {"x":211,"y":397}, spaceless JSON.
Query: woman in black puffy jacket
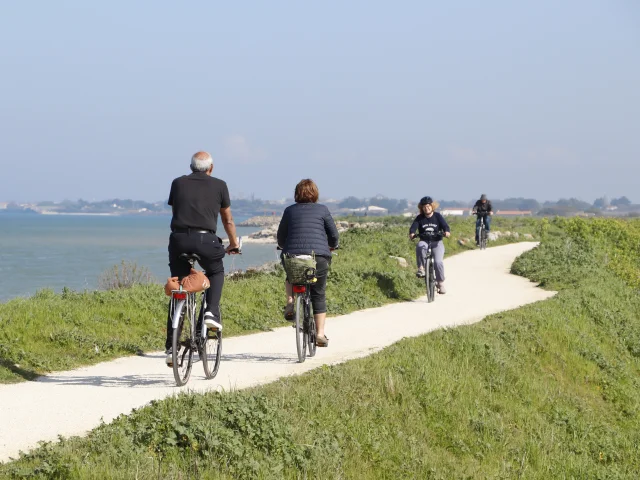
{"x":308,"y":228}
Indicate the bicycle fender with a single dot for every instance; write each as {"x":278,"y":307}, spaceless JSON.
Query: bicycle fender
{"x":178,"y":308}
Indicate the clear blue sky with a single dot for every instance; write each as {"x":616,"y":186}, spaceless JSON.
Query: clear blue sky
{"x":410,"y":98}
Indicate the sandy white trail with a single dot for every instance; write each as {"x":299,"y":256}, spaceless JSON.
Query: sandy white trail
{"x":73,"y":402}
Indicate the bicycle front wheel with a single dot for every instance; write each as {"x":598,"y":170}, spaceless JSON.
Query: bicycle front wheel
{"x":181,"y":346}
{"x":430,"y":280}
{"x":300,"y":340}
{"x":311,"y":333}
{"x":211,"y":351}
{"x":483,"y":238}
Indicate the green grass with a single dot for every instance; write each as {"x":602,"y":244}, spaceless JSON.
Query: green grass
{"x":550,"y":390}
{"x":53,"y":332}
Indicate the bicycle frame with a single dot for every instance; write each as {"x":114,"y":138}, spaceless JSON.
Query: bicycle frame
{"x":304,"y":320}
{"x":190,"y":299}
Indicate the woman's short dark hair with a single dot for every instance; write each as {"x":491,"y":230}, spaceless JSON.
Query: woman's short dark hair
{"x":306,"y":191}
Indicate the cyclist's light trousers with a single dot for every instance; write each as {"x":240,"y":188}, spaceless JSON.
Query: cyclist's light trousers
{"x":438,"y":254}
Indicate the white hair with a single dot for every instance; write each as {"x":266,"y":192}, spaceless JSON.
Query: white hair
{"x":201,"y":162}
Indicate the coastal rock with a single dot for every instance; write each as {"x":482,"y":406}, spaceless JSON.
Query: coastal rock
{"x":493,"y":236}
{"x":372,"y":225}
{"x":401,"y":261}
{"x":261,"y":221}
{"x":269,"y":234}
{"x":528,"y":236}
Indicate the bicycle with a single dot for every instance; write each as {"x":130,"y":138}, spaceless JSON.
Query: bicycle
{"x":306,"y":326}
{"x":306,"y":329}
{"x":430,"y":273}
{"x":482,"y":232}
{"x":186,"y":340}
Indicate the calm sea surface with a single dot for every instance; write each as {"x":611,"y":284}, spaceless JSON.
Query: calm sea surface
{"x":56,"y":251}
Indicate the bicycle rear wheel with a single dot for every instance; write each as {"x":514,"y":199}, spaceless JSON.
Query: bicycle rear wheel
{"x":300,"y":335}
{"x":182,"y":350}
{"x":430,"y":280}
{"x":311,"y":333}
{"x":210,"y":352}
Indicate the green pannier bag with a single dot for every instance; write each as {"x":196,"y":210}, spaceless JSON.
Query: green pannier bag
{"x":296,"y":266}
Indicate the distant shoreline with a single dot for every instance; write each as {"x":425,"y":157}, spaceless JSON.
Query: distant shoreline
{"x":82,"y":214}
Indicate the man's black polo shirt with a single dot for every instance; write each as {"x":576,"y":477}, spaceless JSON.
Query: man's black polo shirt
{"x":196,"y":200}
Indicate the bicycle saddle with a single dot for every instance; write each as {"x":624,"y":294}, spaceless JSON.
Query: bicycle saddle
{"x":190,"y":257}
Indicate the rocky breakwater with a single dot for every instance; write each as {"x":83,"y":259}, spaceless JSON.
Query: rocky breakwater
{"x":269,"y":234}
{"x":261,"y":221}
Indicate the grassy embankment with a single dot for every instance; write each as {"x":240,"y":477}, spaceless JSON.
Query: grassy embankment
{"x":550,"y":390}
{"x":53,"y":332}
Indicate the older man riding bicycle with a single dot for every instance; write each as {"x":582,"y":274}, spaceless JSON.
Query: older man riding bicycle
{"x":196,"y":200}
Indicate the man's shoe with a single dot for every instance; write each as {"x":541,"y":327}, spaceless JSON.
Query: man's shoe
{"x":212,"y":321}
{"x":441,"y":289}
{"x":169,"y":359}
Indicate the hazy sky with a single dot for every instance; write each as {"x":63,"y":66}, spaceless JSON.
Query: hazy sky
{"x":408,"y":98}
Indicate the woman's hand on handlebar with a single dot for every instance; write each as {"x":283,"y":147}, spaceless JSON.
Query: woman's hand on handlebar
{"x":447,"y":234}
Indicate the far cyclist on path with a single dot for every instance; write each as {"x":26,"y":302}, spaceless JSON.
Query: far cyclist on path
{"x":431,"y":226}
{"x":196,"y":200}
{"x":482,"y":209}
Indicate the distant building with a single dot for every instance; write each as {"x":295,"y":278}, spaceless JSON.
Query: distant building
{"x":515,"y":213}
{"x":3,"y":205}
{"x":453,"y":211}
{"x":371,"y":210}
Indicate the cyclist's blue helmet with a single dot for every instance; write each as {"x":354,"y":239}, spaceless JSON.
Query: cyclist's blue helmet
{"x":426,"y":201}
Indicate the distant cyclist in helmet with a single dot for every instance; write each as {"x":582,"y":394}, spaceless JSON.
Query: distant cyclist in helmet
{"x":482,"y":209}
{"x":430,"y":226}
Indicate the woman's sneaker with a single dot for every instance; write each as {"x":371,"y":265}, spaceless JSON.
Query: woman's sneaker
{"x":212,"y":321}
{"x":420,"y":272}
{"x":288,"y":312}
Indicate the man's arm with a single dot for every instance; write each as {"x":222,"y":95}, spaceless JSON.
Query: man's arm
{"x":170,"y":201}
{"x":229,"y":227}
{"x":490,"y":208}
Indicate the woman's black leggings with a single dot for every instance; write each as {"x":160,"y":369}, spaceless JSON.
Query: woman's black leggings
{"x":318,"y":289}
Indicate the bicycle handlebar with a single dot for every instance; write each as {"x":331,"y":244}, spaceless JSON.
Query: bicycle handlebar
{"x":238,"y":250}
{"x":440,"y":232}
{"x":331,"y":249}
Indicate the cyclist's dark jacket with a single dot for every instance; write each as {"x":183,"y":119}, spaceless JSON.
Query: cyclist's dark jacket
{"x":483,"y":208}
{"x":306,"y":228}
{"x":429,"y":228}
